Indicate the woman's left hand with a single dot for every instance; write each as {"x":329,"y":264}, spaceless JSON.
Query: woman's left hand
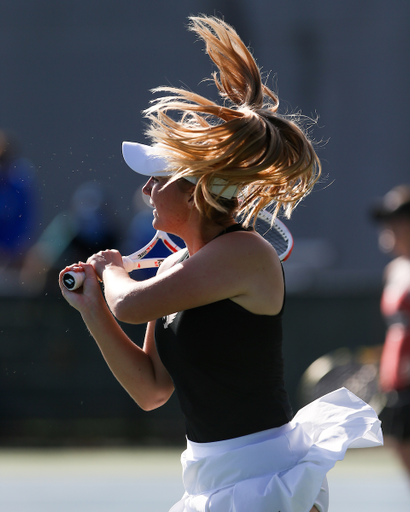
{"x":103,"y":259}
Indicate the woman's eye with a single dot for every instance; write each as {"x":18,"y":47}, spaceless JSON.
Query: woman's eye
{"x":161,"y":181}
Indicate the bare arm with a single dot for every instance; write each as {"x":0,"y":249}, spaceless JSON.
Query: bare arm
{"x":247,"y":271}
{"x":239,"y":266}
{"x":139,"y":371}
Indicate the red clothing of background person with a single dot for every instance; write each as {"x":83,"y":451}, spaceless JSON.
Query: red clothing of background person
{"x":395,"y":306}
{"x":393,"y":213}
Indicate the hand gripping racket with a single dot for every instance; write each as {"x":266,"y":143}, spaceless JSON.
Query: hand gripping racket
{"x":277,"y":234}
{"x":74,"y":280}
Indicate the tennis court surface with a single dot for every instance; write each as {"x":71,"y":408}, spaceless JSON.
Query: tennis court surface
{"x":149,"y":480}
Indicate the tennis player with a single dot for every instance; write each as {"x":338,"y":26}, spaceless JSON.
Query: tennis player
{"x":214,"y":310}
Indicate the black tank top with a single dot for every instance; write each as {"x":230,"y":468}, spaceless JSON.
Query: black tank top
{"x":227,"y":367}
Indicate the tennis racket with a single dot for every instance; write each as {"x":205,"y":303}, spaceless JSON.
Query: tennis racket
{"x":276,"y":233}
{"x":74,"y":280}
{"x":357,"y":370}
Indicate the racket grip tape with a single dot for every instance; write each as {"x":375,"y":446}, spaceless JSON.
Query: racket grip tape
{"x":73,"y":280}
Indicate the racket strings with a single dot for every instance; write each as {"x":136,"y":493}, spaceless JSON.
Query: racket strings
{"x":272,"y":234}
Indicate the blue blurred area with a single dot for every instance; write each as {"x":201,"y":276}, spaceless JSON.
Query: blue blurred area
{"x":18,"y":201}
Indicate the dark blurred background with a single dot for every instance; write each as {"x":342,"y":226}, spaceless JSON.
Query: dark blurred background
{"x":74,"y":78}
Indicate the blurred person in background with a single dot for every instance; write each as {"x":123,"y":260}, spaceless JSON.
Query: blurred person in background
{"x":392,"y":213}
{"x":18,"y":208}
{"x":88,"y":226}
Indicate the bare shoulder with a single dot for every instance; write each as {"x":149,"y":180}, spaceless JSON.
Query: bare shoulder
{"x":252,"y":262}
{"x":235,"y":249}
{"x":245,"y":246}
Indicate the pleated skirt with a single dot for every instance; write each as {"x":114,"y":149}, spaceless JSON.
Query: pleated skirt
{"x":277,"y":470}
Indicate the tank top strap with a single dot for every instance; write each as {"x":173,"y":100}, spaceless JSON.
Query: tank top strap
{"x":233,"y":228}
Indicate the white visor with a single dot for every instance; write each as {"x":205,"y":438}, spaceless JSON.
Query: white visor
{"x":145,"y":160}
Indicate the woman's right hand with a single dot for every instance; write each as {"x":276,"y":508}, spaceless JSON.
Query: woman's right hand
{"x":89,"y":296}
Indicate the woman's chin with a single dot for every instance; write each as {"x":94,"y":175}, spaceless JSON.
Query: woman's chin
{"x":156,"y":224}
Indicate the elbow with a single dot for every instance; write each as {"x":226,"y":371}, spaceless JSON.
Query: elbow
{"x":124,"y":302}
{"x":123,"y":312}
{"x":120,"y":314}
{"x":149,"y":406}
{"x":150,"y":403}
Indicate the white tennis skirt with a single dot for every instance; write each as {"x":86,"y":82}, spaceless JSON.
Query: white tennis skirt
{"x":277,"y":470}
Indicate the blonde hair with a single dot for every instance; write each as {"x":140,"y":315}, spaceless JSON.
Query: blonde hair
{"x":244,"y":141}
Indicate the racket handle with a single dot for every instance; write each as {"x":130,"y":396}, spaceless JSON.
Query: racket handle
{"x":73,"y":280}
{"x":130,"y":264}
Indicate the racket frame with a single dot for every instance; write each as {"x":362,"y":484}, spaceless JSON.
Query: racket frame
{"x":280,"y":227}
{"x":74,"y":279}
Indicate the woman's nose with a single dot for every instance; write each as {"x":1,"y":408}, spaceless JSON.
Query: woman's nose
{"x":146,"y":189}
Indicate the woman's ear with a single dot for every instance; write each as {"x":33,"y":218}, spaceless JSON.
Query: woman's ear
{"x":188,"y":189}
{"x":191,"y":200}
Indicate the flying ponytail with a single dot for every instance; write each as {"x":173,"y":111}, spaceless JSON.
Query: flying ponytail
{"x":244,"y":141}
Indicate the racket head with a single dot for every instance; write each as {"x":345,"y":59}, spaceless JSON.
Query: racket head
{"x":276,"y":233}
